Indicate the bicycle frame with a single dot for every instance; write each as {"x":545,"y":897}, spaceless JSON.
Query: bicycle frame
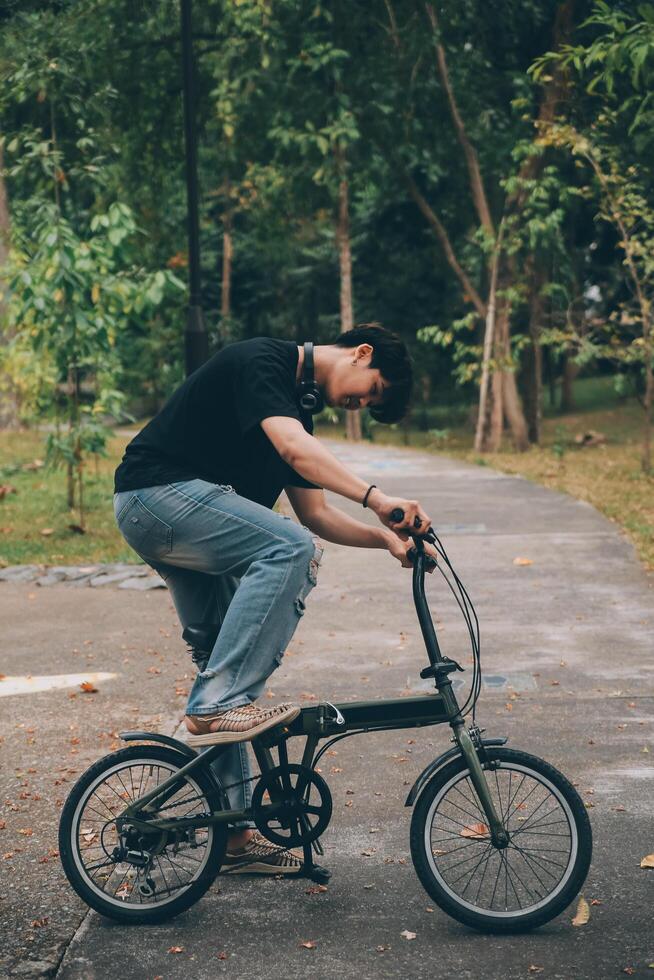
{"x":335,"y":721}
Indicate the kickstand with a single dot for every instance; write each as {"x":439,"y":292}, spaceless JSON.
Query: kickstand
{"x":311,"y":870}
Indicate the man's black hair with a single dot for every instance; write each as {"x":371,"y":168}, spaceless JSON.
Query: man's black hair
{"x":391,"y":357}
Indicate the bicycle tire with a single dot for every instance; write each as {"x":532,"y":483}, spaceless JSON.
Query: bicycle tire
{"x":435,"y":879}
{"x":69,"y":838}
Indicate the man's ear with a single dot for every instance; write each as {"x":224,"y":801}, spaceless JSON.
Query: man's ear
{"x":363,"y":351}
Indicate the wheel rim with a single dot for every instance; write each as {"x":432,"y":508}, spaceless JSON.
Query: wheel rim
{"x":531,"y":871}
{"x":93,"y":837}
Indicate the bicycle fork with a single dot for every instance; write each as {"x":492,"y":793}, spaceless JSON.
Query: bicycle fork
{"x":468,"y":749}
{"x":499,"y":836}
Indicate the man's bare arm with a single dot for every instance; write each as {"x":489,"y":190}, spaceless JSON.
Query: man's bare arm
{"x":332,"y":524}
{"x":314,"y":462}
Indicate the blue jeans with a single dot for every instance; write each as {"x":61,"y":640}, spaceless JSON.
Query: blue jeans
{"x":227,"y":560}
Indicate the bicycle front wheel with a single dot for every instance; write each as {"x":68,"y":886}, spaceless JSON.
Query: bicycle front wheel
{"x":127,"y":873}
{"x":509,"y":889}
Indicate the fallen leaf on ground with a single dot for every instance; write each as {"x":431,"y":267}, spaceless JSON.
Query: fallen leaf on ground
{"x":176,"y":949}
{"x":595,"y":901}
{"x":308,"y":944}
{"x":522,"y":561}
{"x":583,"y":912}
{"x":408,"y":935}
{"x":475,"y":830}
{"x":648,"y":861}
{"x":536,"y":969}
{"x":223,"y":955}
{"x":88,"y":687}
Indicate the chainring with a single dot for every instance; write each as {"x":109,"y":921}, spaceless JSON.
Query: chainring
{"x":291,"y":805}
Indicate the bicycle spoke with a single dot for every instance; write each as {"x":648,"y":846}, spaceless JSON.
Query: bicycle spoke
{"x":474,"y":816}
{"x":499,"y":871}
{"x":504,"y":859}
{"x":474,"y":869}
{"x":489,"y":854}
{"x":457,"y":822}
{"x":471,"y":843}
{"x":533,"y":860}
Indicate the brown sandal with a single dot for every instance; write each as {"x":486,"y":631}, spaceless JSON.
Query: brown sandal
{"x":240,"y":724}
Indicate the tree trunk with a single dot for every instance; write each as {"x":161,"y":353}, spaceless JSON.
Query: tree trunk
{"x":649,"y":399}
{"x":470,"y":154}
{"x":504,"y":392}
{"x":226,"y":287}
{"x":533,"y":387}
{"x":483,"y":415}
{"x":352,"y":419}
{"x":510,"y":399}
{"x":493,"y":439}
{"x":8,"y":397}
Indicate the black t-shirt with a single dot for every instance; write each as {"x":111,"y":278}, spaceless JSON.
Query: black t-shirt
{"x":209,"y":427}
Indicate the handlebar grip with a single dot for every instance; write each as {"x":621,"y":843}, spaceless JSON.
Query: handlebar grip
{"x":397,"y":515}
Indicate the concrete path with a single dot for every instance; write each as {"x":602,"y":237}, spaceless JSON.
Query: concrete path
{"x":567,"y":650}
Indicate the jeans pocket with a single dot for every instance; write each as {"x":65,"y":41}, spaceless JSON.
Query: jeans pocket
{"x":144,"y":531}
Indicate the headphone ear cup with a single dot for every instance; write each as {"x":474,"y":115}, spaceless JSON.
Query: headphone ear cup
{"x":309,"y":396}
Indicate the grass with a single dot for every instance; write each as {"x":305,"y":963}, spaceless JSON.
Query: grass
{"x":39,"y":504}
{"x":608,"y":476}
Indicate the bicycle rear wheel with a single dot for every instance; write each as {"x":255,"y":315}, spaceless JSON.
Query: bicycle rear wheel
{"x":515,"y":888}
{"x":136,"y":876}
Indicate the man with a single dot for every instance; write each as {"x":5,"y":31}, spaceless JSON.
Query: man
{"x":194,"y":495}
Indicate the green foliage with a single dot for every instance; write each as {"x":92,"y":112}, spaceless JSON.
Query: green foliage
{"x":292,"y":99}
{"x":70,"y":298}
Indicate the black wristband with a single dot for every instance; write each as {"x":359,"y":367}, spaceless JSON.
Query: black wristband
{"x":373,"y":486}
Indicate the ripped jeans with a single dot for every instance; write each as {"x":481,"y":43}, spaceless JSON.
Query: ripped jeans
{"x":226,"y":560}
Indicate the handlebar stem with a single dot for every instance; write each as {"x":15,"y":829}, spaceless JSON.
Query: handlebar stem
{"x":422,"y":609}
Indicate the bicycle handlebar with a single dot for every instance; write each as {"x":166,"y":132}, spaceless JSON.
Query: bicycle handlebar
{"x":397,"y":515}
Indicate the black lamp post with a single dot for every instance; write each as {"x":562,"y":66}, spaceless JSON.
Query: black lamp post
{"x":196,"y":344}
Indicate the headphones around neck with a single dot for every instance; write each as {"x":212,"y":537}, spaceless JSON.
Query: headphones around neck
{"x":310,"y":397}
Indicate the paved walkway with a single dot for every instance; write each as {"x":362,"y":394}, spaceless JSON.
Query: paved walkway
{"x":567,"y":650}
